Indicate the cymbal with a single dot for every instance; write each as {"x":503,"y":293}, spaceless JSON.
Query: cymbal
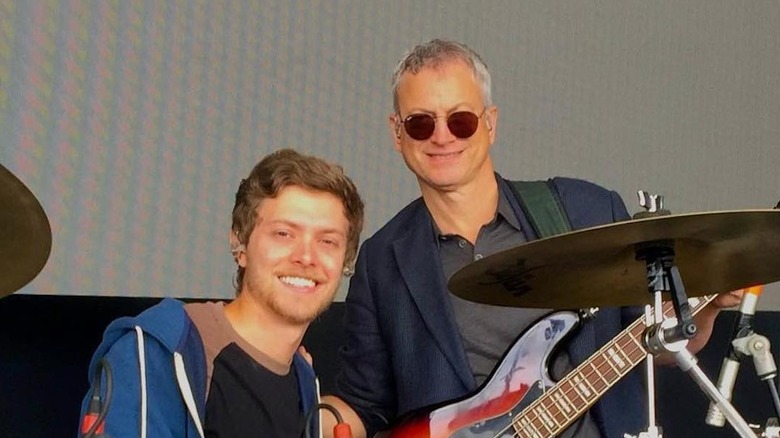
{"x":25,"y":234}
{"x":596,"y":267}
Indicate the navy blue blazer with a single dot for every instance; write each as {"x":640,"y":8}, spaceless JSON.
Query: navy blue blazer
{"x":402,"y":349}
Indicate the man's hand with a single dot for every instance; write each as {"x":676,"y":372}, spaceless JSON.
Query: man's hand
{"x":303,"y":352}
{"x":349,"y":415}
{"x":705,"y":321}
{"x":728,"y":299}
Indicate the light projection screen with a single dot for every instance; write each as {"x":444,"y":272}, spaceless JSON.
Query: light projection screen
{"x":133,"y":121}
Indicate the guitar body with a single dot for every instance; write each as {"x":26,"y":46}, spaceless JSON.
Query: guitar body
{"x":520,"y":378}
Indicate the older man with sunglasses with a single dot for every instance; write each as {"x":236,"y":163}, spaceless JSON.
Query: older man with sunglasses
{"x":411,"y":343}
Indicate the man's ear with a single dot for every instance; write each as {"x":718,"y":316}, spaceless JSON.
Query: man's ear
{"x":395,"y":126}
{"x":491,"y":121}
{"x":237,"y":249}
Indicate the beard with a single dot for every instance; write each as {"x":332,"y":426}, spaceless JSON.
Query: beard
{"x":292,"y":308}
{"x":299,"y":311}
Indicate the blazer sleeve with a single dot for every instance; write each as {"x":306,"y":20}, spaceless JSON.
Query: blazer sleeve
{"x":365,"y":379}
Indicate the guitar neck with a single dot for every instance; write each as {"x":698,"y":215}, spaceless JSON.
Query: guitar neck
{"x":560,"y":405}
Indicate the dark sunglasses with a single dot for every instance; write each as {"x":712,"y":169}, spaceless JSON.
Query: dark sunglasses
{"x":462,"y":124}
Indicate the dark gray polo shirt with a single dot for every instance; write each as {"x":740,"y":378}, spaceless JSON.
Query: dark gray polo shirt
{"x":487,"y":331}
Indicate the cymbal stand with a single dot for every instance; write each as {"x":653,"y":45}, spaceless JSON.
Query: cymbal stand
{"x":671,"y":336}
{"x":653,"y":431}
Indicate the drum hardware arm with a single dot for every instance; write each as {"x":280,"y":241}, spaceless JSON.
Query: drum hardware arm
{"x":672,"y":335}
{"x":664,"y":277}
{"x":688,"y":363}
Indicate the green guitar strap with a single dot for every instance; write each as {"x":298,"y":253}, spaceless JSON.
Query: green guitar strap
{"x":542,"y":206}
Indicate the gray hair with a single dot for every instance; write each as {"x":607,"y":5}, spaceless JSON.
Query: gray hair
{"x":435,"y":53}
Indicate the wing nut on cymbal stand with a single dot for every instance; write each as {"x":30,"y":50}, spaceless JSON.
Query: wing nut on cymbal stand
{"x":672,"y":337}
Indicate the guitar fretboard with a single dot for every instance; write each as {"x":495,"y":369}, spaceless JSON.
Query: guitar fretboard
{"x":560,"y":405}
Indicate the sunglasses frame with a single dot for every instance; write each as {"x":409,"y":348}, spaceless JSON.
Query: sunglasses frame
{"x":403,"y":123}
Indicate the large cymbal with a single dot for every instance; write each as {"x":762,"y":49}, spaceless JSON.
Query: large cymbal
{"x":715,"y":252}
{"x":25,"y":234}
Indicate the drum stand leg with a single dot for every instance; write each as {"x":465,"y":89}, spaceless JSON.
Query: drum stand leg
{"x":672,"y":335}
{"x":653,"y":431}
{"x":687,"y":362}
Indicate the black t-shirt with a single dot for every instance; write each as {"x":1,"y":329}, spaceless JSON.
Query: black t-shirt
{"x":247,"y":400}
{"x":248,"y":393}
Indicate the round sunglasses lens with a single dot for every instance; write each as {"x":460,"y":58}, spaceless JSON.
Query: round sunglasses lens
{"x":463,"y":124}
{"x":420,"y":126}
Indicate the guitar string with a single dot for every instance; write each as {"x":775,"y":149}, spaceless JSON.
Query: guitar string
{"x":530,"y":412}
{"x":629,"y":336}
{"x":535,"y":420}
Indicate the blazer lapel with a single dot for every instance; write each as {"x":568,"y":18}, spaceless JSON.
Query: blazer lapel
{"x":420,"y":266}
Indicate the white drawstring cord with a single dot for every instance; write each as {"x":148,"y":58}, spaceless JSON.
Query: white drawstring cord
{"x":186,"y":391}
{"x":139,"y":334}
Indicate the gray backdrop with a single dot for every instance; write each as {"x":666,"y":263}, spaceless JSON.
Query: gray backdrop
{"x":133,"y":121}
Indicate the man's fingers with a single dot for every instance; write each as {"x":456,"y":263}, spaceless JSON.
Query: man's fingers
{"x":305,"y":354}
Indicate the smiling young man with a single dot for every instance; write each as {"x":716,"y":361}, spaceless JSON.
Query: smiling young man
{"x":234,"y":369}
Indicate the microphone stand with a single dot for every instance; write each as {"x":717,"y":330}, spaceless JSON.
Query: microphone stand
{"x":743,"y":328}
{"x":672,"y":337}
{"x":758,"y":347}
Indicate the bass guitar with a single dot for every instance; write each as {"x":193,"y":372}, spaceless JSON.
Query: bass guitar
{"x":521,"y":400}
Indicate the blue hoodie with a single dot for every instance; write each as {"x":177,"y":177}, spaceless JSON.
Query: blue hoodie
{"x":170,"y":399}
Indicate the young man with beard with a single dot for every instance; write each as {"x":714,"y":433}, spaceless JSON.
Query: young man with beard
{"x":234,"y":369}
